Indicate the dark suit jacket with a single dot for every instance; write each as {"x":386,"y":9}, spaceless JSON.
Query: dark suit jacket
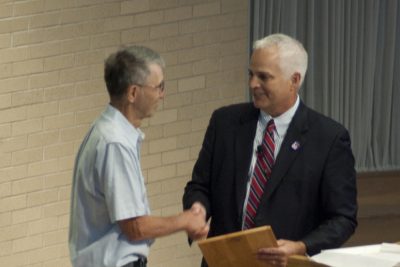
{"x":311,"y":195}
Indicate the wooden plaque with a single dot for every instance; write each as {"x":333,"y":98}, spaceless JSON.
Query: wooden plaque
{"x":237,"y":249}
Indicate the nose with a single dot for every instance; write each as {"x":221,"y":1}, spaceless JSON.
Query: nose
{"x":253,"y":81}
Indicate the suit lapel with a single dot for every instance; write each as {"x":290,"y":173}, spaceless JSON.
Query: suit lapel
{"x":243,"y":152}
{"x":294,"y":140}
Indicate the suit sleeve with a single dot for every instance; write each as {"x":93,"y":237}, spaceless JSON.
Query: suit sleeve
{"x":338,"y":195}
{"x":199,"y":188}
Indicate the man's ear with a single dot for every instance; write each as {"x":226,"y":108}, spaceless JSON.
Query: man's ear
{"x":295,"y":80}
{"x":132,"y":92}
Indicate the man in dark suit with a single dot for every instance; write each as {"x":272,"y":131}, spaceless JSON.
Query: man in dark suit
{"x":309,"y":198}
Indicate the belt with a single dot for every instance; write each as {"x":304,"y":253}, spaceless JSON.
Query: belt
{"x":141,"y":262}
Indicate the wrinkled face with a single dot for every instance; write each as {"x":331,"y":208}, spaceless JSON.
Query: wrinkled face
{"x":150,"y":93}
{"x":272,"y":92}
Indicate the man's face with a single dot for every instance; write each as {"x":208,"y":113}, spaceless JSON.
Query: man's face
{"x":150,"y":93}
{"x":272,"y":92}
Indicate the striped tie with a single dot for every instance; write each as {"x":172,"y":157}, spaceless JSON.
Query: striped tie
{"x":261,"y":173}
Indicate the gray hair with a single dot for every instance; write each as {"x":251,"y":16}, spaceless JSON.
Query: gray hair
{"x":292,"y":55}
{"x":129,"y":66}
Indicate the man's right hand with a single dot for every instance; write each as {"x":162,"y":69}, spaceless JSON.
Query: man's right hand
{"x":197,"y":227}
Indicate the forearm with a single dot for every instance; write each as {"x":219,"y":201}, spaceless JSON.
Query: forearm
{"x":150,"y":227}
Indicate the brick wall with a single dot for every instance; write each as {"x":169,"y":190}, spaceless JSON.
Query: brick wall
{"x":51,"y":89}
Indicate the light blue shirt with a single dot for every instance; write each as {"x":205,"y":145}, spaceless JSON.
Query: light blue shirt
{"x":108,"y":186}
{"x":281,"y":125}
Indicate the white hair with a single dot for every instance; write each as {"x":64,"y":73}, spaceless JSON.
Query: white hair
{"x":292,"y":55}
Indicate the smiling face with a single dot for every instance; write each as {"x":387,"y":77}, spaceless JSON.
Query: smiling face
{"x":272,"y":90}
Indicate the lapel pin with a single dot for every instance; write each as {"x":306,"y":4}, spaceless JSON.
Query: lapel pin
{"x":295,"y":145}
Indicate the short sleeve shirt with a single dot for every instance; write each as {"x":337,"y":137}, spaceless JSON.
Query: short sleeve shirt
{"x":108,"y":186}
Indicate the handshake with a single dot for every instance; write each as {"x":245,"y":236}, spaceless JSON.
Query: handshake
{"x":196,"y":225}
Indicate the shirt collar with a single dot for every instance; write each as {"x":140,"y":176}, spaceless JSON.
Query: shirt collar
{"x":282,"y":121}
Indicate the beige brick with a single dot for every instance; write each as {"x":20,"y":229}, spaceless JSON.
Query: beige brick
{"x":151,"y":161}
{"x":179,"y":71}
{"x":233,"y":5}
{"x":5,"y":190}
{"x":161,"y":173}
{"x":74,"y":75}
{"x":180,"y":13}
{"x":178,"y":100}
{"x":5,"y":219}
{"x":26,"y":215}
{"x":118,"y":23}
{"x":135,"y":35}
{"x":75,"y":15}
{"x":59,"y":92}
{"x":42,"y":225}
{"x":37,"y":256}
{"x":5,"y":248}
{"x":27,"y":97}
{"x":175,"y":156}
{"x":12,"y":203}
{"x":58,"y":179}
{"x":12,"y":114}
{"x":27,"y":185}
{"x":96,"y":71}
{"x":193,"y":54}
{"x":176,"y":128}
{"x":63,"y":221}
{"x":160,"y":145}
{"x":43,"y":138}
{"x":179,"y":42}
{"x":57,"y":4}
{"x":88,"y":116}
{"x":206,"y":38}
{"x":106,"y":10}
{"x":45,"y":20}
{"x":5,"y":40}
{"x":13,"y":232}
{"x":28,"y":8}
{"x":6,"y":11}
{"x":57,"y":151}
{"x":5,"y":101}
{"x":211,"y":65}
{"x":193,"y":83}
{"x":13,"y":173}
{"x":14,"y":84}
{"x":6,"y":70}
{"x":44,"y":50}
{"x":55,"y":237}
{"x":193,"y":26}
{"x":83,"y":103}
{"x":164,"y":30}
{"x":13,"y":144}
{"x":56,"y":209}
{"x":164,"y":200}
{"x":205,"y":96}
{"x":105,"y":40}
{"x":43,"y":167}
{"x":207,"y":9}
{"x":90,"y":87}
{"x":164,"y":116}
{"x":5,"y":159}
{"x":41,"y":110}
{"x":152,"y":189}
{"x":134,"y":6}
{"x":89,"y":57}
{"x":75,"y":133}
{"x":41,"y":198}
{"x":27,"y":156}
{"x":27,"y":126}
{"x":44,"y":79}
{"x":64,"y":193}
{"x":148,"y":18}
{"x":185,"y":169}
{"x":58,"y":62}
{"x":75,"y":45}
{"x":13,"y":54}
{"x":58,"y":122}
{"x":5,"y":130}
{"x":89,"y":28}
{"x":153,"y":132}
{"x":28,"y":67}
{"x":27,"y":243}
{"x":14,"y":25}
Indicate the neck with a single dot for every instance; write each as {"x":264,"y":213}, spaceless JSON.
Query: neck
{"x":127,"y":111}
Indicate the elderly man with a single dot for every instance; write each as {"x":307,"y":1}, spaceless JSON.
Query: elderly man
{"x":277,"y":162}
{"x":110,"y":224}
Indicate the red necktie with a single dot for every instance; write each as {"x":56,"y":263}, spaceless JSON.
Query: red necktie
{"x":261,"y":173}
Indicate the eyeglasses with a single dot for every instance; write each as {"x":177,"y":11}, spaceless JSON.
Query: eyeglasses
{"x":160,"y":87}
